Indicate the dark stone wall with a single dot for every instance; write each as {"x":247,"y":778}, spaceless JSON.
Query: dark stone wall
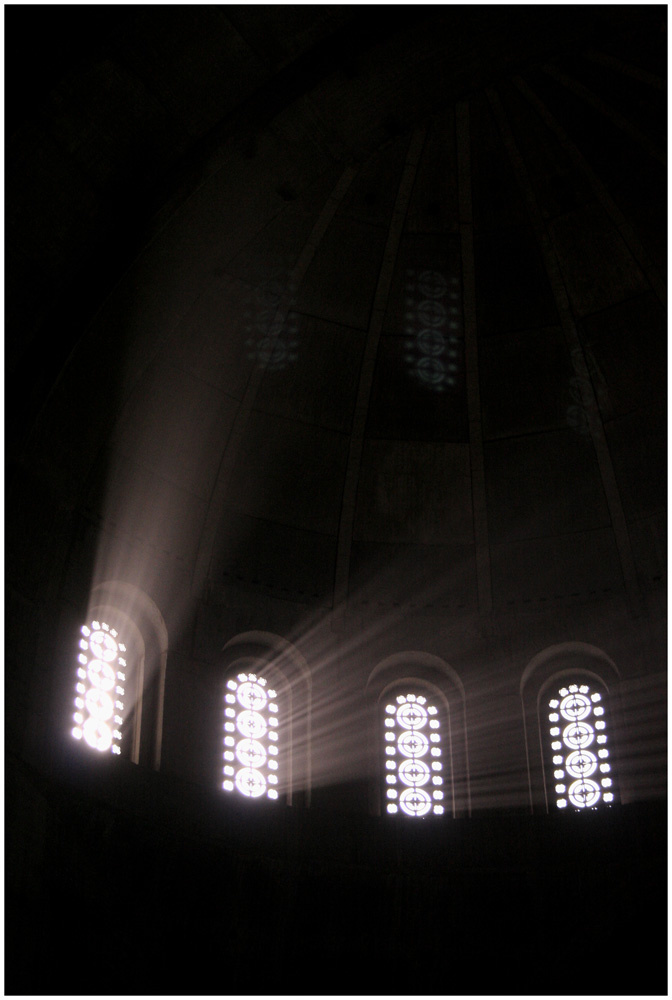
{"x":121,"y":881}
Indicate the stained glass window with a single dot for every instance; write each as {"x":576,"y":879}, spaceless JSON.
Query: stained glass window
{"x":434,"y":344}
{"x":413,"y":757}
{"x":100,"y":688}
{"x":251,"y":750}
{"x":581,"y":766}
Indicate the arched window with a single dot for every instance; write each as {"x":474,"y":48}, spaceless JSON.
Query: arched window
{"x":414,"y":756}
{"x":266,"y":720}
{"x":251,"y":737}
{"x":573,"y":727}
{"x":120,"y":675}
{"x":579,"y":769}
{"x":100,"y":689}
{"x":419,"y":762}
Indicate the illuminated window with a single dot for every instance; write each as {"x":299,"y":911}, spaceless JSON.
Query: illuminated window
{"x":413,"y":753}
{"x":250,"y":747}
{"x":100,"y":688}
{"x":580,"y":771}
{"x":120,"y":667}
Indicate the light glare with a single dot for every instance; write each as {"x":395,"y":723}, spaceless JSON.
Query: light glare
{"x":579,"y":707}
{"x":248,"y":715}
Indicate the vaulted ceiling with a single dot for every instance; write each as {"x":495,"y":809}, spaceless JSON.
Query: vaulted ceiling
{"x":342,"y":303}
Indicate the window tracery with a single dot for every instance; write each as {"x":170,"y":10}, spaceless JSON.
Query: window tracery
{"x":581,"y":766}
{"x":413,"y":751}
{"x":434,"y":342}
{"x":121,"y":659}
{"x":251,"y":750}
{"x":100,"y":688}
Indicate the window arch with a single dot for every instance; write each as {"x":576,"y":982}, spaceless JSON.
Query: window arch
{"x":579,"y":764}
{"x":266,"y":719}
{"x":415,"y":758}
{"x":100,"y":690}
{"x":419,"y":758}
{"x":251,"y":748}
{"x":572,"y":725}
{"x":120,"y":675}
